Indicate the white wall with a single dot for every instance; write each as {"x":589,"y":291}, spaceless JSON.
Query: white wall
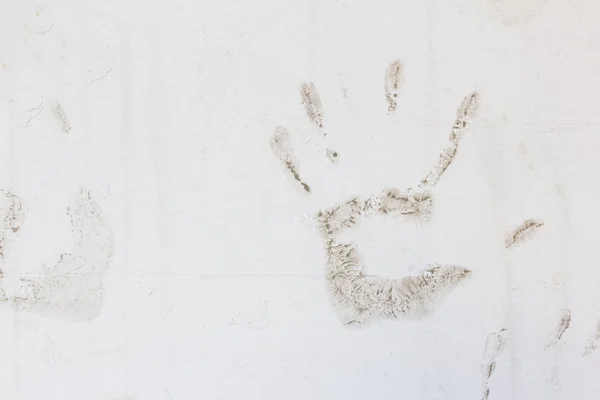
{"x":163,"y":110}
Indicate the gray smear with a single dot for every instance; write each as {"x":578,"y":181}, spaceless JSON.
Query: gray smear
{"x":389,"y":201}
{"x":463,"y":114}
{"x":332,"y":155}
{"x":281,"y":146}
{"x":335,"y":219}
{"x":11,"y":215}
{"x":314,"y":111}
{"x":395,"y":201}
{"x":593,"y":341}
{"x":563,"y":325}
{"x":11,"y":218}
{"x":361,"y":298}
{"x":494,"y":347}
{"x":61,"y":116}
{"x":72,"y":288}
{"x":522,"y":232}
{"x":312,"y":103}
{"x":486,"y":394}
{"x":393,"y":79}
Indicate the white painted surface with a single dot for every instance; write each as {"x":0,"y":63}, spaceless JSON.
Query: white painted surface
{"x":216,"y":289}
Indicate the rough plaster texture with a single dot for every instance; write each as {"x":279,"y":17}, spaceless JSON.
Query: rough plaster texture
{"x":195,"y":267}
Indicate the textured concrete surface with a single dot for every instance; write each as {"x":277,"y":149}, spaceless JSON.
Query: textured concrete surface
{"x":296,"y":200}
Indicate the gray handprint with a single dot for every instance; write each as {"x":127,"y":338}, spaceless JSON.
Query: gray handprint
{"x":356,"y":296}
{"x":72,"y":287}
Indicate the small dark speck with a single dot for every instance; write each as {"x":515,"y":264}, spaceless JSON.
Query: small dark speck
{"x":395,"y":94}
{"x":335,"y":154}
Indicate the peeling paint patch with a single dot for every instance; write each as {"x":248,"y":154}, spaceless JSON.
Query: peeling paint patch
{"x":463,"y":114}
{"x":281,"y":146}
{"x":72,"y":288}
{"x":522,"y":232}
{"x":393,"y":80}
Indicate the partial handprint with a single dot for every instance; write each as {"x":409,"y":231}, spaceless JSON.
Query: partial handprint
{"x":361,"y":298}
{"x":356,"y":296}
{"x":11,"y":218}
{"x":71,"y":288}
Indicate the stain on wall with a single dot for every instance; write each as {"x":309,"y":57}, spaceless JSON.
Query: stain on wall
{"x":60,"y":115}
{"x":312,"y":103}
{"x":314,"y":111}
{"x":463,"y":114}
{"x":11,"y":218}
{"x":494,"y":347}
{"x":393,"y":80}
{"x":361,"y":298}
{"x":593,"y":341}
{"x":281,"y":146}
{"x":72,"y":287}
{"x":563,"y":324}
{"x":358,"y":297}
{"x":522,"y":232}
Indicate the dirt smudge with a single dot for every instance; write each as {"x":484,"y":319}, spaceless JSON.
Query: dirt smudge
{"x":463,"y":114}
{"x":312,"y":103}
{"x":361,"y":298}
{"x":494,"y":347}
{"x":393,"y":80}
{"x":33,"y":113}
{"x":11,"y":219}
{"x":281,"y":146}
{"x":593,"y":341}
{"x":59,"y":112}
{"x":71,"y":289}
{"x":522,"y":232}
{"x":314,"y":111}
{"x":562,"y":326}
{"x":332,"y":155}
{"x":392,"y":201}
